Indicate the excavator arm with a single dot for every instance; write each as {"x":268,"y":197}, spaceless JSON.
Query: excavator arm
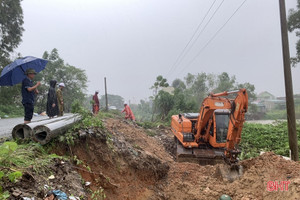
{"x":237,"y":119}
{"x":237,"y":107}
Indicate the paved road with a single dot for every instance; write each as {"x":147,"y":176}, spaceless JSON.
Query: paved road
{"x":6,"y":125}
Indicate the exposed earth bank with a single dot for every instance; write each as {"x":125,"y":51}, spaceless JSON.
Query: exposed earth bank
{"x":131,"y":162}
{"x":125,"y":161}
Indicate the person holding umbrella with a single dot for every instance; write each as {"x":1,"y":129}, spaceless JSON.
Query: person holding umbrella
{"x":28,"y":93}
{"x":24,"y":70}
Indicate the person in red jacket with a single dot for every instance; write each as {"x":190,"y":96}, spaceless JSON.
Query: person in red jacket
{"x":96,"y":104}
{"x":128,"y":112}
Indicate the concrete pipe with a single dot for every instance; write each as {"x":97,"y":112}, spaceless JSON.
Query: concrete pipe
{"x":24,"y":131}
{"x":45,"y":133}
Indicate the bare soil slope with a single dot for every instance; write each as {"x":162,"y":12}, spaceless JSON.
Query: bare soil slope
{"x":131,"y":163}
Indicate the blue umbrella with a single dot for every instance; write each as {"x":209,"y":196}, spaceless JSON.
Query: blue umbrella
{"x":14,"y":73}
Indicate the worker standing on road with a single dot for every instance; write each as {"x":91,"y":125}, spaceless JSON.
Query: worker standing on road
{"x":60,"y":99}
{"x":28,"y":93}
{"x":96,"y":104}
{"x":52,"y":105}
{"x":128,"y":111}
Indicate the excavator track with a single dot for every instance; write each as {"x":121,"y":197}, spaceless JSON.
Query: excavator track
{"x":202,"y":156}
{"x":207,"y":156}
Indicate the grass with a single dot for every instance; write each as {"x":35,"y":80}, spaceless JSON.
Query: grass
{"x":11,"y":111}
{"x":16,"y":159}
{"x":150,"y":133}
{"x":265,"y":137}
{"x":26,"y":157}
{"x":23,"y":156}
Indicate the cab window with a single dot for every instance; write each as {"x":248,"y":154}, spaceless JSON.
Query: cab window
{"x":222,"y":122}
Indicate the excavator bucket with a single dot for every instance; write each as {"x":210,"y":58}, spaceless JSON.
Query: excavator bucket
{"x":229,"y":172}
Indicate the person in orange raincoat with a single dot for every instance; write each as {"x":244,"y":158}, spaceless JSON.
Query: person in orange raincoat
{"x":129,"y":113}
{"x":96,"y":104}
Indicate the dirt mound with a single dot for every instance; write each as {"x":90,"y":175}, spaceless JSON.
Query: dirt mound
{"x":123,"y":160}
{"x":191,"y":181}
{"x":138,"y":137}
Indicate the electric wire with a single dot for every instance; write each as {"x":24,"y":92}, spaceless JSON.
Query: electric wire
{"x":200,"y":33}
{"x":198,"y":27}
{"x":213,"y":37}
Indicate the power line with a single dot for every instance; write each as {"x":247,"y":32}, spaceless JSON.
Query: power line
{"x":203,"y":29}
{"x":213,"y":37}
{"x":198,"y":27}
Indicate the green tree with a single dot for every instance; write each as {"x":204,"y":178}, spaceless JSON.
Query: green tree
{"x":143,"y":110}
{"x":179,"y":84}
{"x":113,"y":100}
{"x":189,"y":79}
{"x":189,"y":94}
{"x":11,"y":28}
{"x":199,"y":88}
{"x":224,"y":83}
{"x":74,"y":78}
{"x":183,"y":103}
{"x":294,"y":24}
{"x":159,"y":83}
{"x":164,"y":102}
{"x":250,"y":90}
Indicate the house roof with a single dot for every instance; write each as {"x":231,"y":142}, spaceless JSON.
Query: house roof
{"x":265,"y":94}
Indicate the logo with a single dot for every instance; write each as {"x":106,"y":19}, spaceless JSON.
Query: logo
{"x":273,"y":186}
{"x":219,"y":104}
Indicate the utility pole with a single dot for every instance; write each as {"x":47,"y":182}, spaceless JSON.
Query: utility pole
{"x":106,"y":101}
{"x":290,"y":107}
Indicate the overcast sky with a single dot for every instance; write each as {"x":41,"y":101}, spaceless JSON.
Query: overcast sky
{"x":132,"y":41}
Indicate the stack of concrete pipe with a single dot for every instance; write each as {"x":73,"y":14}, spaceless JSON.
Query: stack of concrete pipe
{"x":44,"y":130}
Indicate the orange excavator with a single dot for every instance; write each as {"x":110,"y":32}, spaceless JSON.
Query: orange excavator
{"x":212,"y":135}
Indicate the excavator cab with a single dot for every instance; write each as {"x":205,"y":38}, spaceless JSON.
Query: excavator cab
{"x":221,"y":122}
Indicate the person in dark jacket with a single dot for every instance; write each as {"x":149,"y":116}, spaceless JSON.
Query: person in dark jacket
{"x":28,"y":94}
{"x":52,"y":106}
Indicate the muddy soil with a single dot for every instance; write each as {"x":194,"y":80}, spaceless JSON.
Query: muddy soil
{"x":129,"y":162}
{"x":124,"y":161}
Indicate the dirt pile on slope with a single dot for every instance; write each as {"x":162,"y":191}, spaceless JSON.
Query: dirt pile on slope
{"x":122,"y":162}
{"x":130,"y":162}
{"x":192,"y":181}
{"x":138,"y":137}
